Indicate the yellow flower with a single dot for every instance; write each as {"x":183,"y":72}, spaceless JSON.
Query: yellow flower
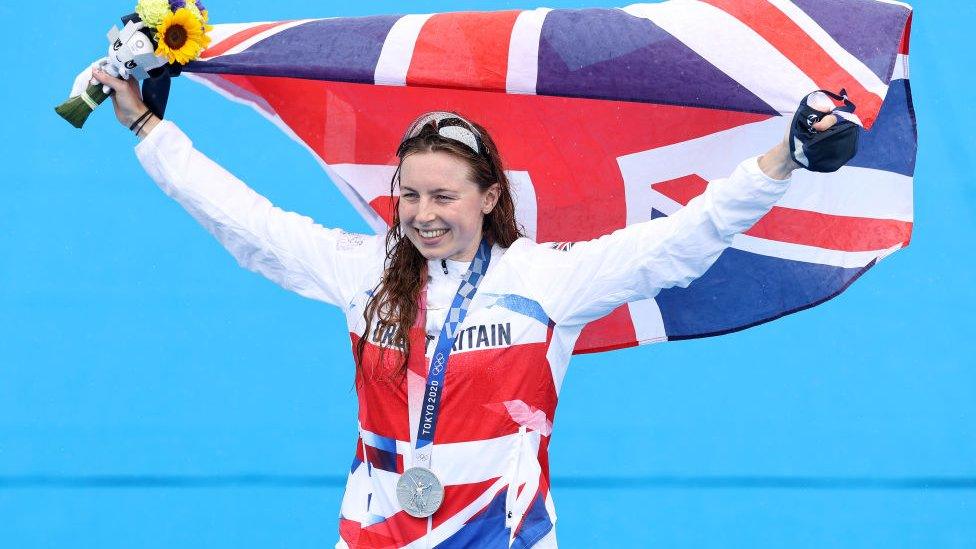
{"x":152,"y":12}
{"x":195,"y":10}
{"x":181,"y":37}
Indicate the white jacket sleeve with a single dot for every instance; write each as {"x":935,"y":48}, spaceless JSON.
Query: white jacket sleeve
{"x":290,"y":249}
{"x":594,"y":277}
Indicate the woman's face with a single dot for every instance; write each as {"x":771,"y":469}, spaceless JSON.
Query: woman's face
{"x":441,"y":209}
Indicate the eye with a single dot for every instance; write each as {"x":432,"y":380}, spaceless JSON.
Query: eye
{"x":444,"y":198}
{"x":409,"y":195}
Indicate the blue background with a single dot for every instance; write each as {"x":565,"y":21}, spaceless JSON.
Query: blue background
{"x":153,"y":394}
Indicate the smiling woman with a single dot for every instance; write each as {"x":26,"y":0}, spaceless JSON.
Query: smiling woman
{"x":451,"y":179}
{"x":462,"y":328}
{"x":440,"y":209}
{"x":453,"y":193}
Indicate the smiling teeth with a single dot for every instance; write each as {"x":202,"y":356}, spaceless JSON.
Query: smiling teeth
{"x":431,"y":234}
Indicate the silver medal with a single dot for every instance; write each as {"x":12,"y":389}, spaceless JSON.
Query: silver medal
{"x":419,"y":492}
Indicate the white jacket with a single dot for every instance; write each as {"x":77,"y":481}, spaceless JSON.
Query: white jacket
{"x":510,"y":355}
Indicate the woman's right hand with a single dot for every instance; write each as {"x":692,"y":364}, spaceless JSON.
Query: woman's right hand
{"x":127,"y":100}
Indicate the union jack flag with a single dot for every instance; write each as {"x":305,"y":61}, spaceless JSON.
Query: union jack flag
{"x":607,"y":117}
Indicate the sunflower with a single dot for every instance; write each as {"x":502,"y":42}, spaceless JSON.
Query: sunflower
{"x":181,"y":37}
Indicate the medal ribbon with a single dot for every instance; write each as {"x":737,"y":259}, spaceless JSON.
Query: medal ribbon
{"x":434,"y":389}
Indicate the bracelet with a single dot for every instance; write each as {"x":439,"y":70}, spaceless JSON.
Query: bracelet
{"x":140,"y":119}
{"x":143,"y":125}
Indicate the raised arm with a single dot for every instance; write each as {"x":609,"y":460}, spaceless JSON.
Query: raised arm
{"x":290,"y":249}
{"x":592,"y":278}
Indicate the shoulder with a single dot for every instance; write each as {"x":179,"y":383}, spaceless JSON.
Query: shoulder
{"x":528,"y":247}
{"x":518,"y":249}
{"x":527,"y":255}
{"x":359,"y":243}
{"x":358,"y":251}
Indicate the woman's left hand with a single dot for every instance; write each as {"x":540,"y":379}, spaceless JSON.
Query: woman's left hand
{"x":777,"y":162}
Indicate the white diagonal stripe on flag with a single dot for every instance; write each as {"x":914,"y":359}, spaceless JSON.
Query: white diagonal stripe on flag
{"x":851,"y":191}
{"x":372,"y":180}
{"x":732,"y":47}
{"x":808,"y":254}
{"x":844,"y":58}
{"x":222,"y":32}
{"x":647,"y":320}
{"x":233,"y":92}
{"x":260,"y":36}
{"x":342,"y":179}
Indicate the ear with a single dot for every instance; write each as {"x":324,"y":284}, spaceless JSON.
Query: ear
{"x":491,"y":198}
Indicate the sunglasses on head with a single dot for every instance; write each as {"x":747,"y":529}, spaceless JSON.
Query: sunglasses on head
{"x":449,"y":126}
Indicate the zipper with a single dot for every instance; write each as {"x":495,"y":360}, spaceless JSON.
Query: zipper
{"x":444,"y":265}
{"x":511,"y":517}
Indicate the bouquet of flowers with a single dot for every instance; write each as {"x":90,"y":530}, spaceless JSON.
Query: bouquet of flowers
{"x":156,"y":41}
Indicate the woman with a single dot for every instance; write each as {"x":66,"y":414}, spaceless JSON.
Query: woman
{"x":462,"y":329}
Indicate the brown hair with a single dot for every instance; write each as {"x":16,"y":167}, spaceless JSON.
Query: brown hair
{"x":395,"y":299}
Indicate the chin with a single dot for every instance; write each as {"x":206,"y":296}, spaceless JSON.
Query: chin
{"x":426,"y":251}
{"x":428,"y":254}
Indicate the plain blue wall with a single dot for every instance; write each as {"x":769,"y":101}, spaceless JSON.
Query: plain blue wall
{"x":133,"y":349}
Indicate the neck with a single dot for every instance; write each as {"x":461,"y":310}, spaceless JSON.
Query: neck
{"x":468,"y":253}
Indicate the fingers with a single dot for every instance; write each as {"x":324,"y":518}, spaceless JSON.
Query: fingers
{"x":117,"y":84}
{"x":126,"y":97}
{"x":825,"y":123}
{"x":821,"y":102}
{"x":818,"y":100}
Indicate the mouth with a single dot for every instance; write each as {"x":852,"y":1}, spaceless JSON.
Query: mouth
{"x":431,"y":237}
{"x":431,"y":233}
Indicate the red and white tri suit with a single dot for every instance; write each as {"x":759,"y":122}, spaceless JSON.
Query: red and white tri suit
{"x":510,"y":354}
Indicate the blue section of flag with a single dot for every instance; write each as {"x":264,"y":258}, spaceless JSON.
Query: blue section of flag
{"x":379,"y":442}
{"x":535,"y":524}
{"x":891,"y":143}
{"x":484,"y":530}
{"x":381,"y":459}
{"x":609,"y":54}
{"x":344,"y":50}
{"x":743,"y":289}
{"x":381,"y":452}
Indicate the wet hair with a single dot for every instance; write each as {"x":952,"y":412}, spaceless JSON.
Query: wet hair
{"x":395,"y":300}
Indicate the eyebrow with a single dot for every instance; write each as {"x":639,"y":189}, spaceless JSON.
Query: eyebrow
{"x":439,"y":190}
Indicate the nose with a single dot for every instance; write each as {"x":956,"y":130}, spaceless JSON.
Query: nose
{"x":426,"y":211}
